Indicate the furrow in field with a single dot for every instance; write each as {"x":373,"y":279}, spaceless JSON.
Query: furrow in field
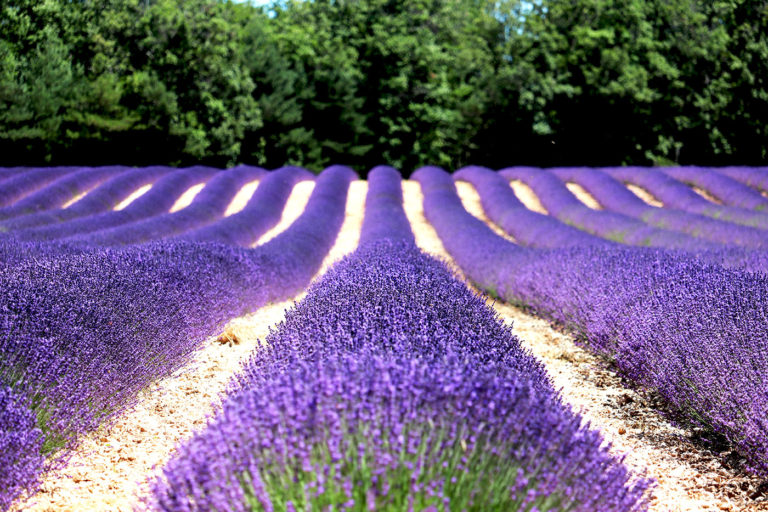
{"x":294,"y":207}
{"x":644,"y":195}
{"x":689,"y":478}
{"x":134,"y":196}
{"x":583,"y":196}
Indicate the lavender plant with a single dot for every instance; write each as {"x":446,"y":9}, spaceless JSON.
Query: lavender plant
{"x":208,"y":206}
{"x":21,"y":184}
{"x":528,"y":228}
{"x":755,"y":177}
{"x":615,"y":197}
{"x":674,"y":194}
{"x":391,"y":386}
{"x":157,"y":201}
{"x":263,"y":211}
{"x":727,"y":190}
{"x":82,"y":330}
{"x":563,"y":205}
{"x":691,"y":330}
{"x":60,"y":191}
{"x":103,"y":198}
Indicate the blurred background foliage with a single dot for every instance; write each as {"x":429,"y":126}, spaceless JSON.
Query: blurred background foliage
{"x":367,"y":82}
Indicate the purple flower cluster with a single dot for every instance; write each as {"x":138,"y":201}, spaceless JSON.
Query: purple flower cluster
{"x":208,"y":205}
{"x":674,"y":194}
{"x":157,"y":201}
{"x":755,"y":177}
{"x":21,"y":458}
{"x":60,"y":191}
{"x":83,"y":329}
{"x":689,"y":329}
{"x":391,"y":386}
{"x":563,"y":205}
{"x":726,"y":190}
{"x":614,"y":196}
{"x":22,"y":183}
{"x":528,"y":228}
{"x":263,"y":211}
{"x":104,"y":197}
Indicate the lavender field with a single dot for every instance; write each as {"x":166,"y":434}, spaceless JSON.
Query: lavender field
{"x":250,"y":339}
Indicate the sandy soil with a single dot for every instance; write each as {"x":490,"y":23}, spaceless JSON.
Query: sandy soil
{"x":134,"y":196}
{"x":472,"y":203}
{"x":241,"y":198}
{"x":583,"y":196}
{"x":111,"y":468}
{"x":706,"y":195}
{"x":527,"y":196}
{"x":294,"y":206}
{"x":689,"y":477}
{"x":644,"y":195}
{"x":187,"y":197}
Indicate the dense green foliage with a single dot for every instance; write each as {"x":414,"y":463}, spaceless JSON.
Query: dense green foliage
{"x":365,"y":82}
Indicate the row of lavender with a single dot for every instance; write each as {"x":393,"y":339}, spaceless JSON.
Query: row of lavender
{"x":391,"y":386}
{"x":84,"y":328}
{"x":672,"y":321}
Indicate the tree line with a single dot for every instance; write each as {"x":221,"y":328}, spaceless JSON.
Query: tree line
{"x":398,"y":82}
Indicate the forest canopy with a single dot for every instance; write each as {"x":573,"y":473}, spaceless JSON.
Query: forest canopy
{"x":398,"y":82}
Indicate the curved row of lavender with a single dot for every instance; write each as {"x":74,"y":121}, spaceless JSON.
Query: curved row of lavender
{"x":527,"y":227}
{"x":677,"y":195}
{"x":692,"y":331}
{"x":391,"y":386}
{"x":728,"y":191}
{"x":755,"y":177}
{"x":614,"y":196}
{"x":208,"y":205}
{"x":157,"y":201}
{"x":61,"y":190}
{"x":563,"y":205}
{"x":83,"y":330}
{"x":21,"y":184}
{"x":101,"y":199}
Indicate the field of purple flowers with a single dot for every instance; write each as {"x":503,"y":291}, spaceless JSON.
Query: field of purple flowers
{"x":391,"y":385}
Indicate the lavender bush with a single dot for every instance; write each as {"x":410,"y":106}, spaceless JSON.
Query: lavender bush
{"x":563,"y":205}
{"x":614,"y":196}
{"x":157,"y":201}
{"x":60,"y":191}
{"x":755,"y":177}
{"x":674,"y":194}
{"x":103,"y":198}
{"x":693,"y":331}
{"x":263,"y":211}
{"x":21,"y":184}
{"x":82,"y":330}
{"x":528,"y":228}
{"x":207,"y":206}
{"x":391,"y":386}
{"x":727,"y":190}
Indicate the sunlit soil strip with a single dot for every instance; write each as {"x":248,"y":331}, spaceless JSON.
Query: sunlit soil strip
{"x":706,"y":195}
{"x":241,"y":198}
{"x":643,"y":194}
{"x":78,"y":197}
{"x":134,"y":196}
{"x":527,"y":196}
{"x":472,"y":203}
{"x":111,"y":469}
{"x":294,"y":207}
{"x":582,"y":195}
{"x":186,"y":198}
{"x":686,"y":475}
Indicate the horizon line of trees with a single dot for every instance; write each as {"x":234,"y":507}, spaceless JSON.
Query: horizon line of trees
{"x":398,"y":82}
